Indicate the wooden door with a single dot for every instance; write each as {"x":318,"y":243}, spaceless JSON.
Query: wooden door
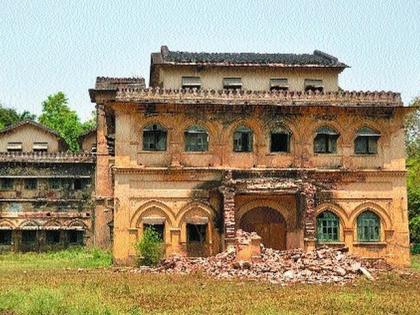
{"x":267,"y":223}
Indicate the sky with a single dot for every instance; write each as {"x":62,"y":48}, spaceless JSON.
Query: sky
{"x":51,"y":46}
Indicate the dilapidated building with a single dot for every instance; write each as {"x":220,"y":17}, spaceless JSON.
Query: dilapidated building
{"x":45,"y":191}
{"x":262,"y":142}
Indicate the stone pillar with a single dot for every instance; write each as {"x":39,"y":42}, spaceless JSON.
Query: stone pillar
{"x":229,"y":216}
{"x":309,"y":217}
{"x":103,"y":183}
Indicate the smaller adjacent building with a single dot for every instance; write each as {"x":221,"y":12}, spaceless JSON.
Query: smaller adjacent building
{"x":45,"y":191}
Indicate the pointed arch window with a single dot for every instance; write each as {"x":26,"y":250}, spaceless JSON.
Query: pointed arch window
{"x":242,"y":139}
{"x":366,"y":141}
{"x":328,"y":227}
{"x":368,"y":227}
{"x":196,"y":139}
{"x":154,"y":138}
{"x":326,"y":140}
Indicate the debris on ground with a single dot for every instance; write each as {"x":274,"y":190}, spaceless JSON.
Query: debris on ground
{"x":323,"y":265}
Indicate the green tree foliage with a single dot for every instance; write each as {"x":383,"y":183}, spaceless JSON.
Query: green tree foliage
{"x":150,"y":248}
{"x":9,"y":116}
{"x":412,"y":138}
{"x":91,"y":122}
{"x":57,"y":115}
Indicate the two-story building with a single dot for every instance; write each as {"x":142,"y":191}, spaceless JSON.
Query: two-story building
{"x":262,"y":142}
{"x":45,"y":191}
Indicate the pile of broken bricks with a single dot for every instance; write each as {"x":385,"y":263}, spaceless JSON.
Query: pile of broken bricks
{"x":323,"y":265}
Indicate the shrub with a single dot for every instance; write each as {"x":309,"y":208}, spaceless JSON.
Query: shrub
{"x":149,"y":248}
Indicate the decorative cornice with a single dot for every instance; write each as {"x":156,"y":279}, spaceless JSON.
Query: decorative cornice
{"x":259,"y":172}
{"x":47,"y":157}
{"x":247,"y":97}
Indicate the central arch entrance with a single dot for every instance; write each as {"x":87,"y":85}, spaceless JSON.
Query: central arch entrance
{"x":267,"y":223}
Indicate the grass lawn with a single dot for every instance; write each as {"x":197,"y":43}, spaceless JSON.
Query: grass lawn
{"x":44,"y":284}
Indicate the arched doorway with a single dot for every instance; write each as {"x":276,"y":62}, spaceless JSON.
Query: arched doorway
{"x":267,"y":223}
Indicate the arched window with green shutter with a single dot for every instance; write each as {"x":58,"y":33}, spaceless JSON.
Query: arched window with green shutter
{"x":328,"y":227}
{"x":368,"y":227}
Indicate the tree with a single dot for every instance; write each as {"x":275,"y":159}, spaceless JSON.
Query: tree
{"x":9,"y":116}
{"x":57,"y":115}
{"x":412,"y":138}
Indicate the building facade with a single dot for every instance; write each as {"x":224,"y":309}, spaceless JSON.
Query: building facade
{"x":262,"y":142}
{"x":45,"y":192}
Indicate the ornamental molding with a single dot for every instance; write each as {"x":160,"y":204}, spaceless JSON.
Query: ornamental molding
{"x":249,"y":97}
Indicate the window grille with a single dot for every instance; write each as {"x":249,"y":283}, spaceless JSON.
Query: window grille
{"x":242,"y":139}
{"x":368,"y":227}
{"x":327,"y":227}
{"x":196,"y":139}
{"x":40,"y":147}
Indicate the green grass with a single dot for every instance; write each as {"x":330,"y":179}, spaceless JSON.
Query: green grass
{"x":415,"y":262}
{"x":75,"y":257}
{"x":54,"y":290}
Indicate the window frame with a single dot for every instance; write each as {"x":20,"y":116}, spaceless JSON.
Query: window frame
{"x":279,"y":86}
{"x":331,"y":136}
{"x":28,"y":183}
{"x":281,"y":131}
{"x":367,"y":226}
{"x":9,"y":186}
{"x":313,"y":85}
{"x":330,"y":223}
{"x":243,"y":130}
{"x":196,"y":132}
{"x":369,"y":138}
{"x":191,"y":85}
{"x":155,"y":132}
{"x":232,"y":85}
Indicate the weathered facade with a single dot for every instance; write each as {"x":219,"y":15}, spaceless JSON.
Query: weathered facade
{"x":262,"y":142}
{"x":45,"y":192}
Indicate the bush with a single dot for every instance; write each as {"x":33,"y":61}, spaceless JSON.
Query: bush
{"x":149,"y":248}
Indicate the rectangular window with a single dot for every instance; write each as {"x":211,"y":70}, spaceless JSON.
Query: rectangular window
{"x":154,"y":140}
{"x":40,"y":147}
{"x":75,"y":237}
{"x":232,"y":83}
{"x":242,"y":141}
{"x":52,"y":237}
{"x":280,"y":142}
{"x":196,"y":232}
{"x":77,"y":184}
{"x":6,"y":183}
{"x":28,"y":237}
{"x":31,"y":183}
{"x":366,"y":145}
{"x":191,"y":82}
{"x":5,"y":237}
{"x":325,"y":143}
{"x":54,"y":183}
{"x":14,"y":147}
{"x":314,"y":85}
{"x":196,"y":142}
{"x":279,"y":84}
{"x":158,"y":228}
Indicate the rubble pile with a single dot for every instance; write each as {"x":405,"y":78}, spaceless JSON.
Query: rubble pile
{"x":323,"y":265}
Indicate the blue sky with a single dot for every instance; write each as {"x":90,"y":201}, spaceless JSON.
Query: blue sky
{"x":50,"y":46}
